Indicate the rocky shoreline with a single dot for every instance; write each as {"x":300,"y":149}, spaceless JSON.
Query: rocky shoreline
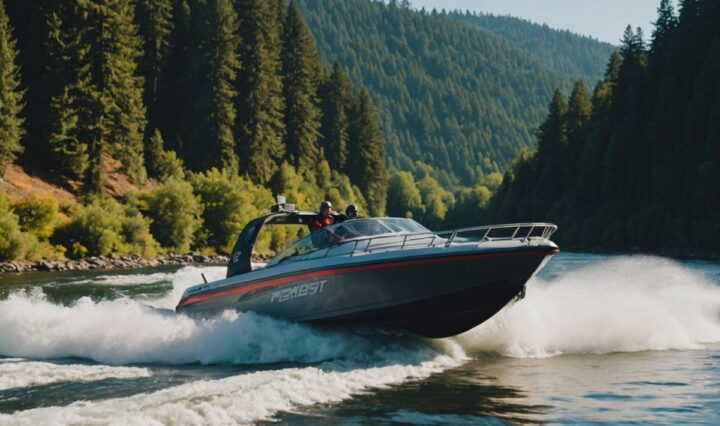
{"x":112,"y":262}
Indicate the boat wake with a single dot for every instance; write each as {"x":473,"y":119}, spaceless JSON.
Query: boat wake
{"x":125,"y":331}
{"x":626,"y":304}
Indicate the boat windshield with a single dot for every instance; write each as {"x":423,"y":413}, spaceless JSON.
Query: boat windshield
{"x":348,"y":230}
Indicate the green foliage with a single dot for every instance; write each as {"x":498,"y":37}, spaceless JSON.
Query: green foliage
{"x":404,"y":198}
{"x":162,"y":164}
{"x":207,"y":124}
{"x":454,"y":96}
{"x":336,"y":94}
{"x":228,"y":204}
{"x":636,"y":166}
{"x":259,"y":125}
{"x":366,"y":152}
{"x":96,"y":107}
{"x":104,"y":227}
{"x":154,"y":21}
{"x":175,"y":213}
{"x":301,"y":68}
{"x":37,"y":215}
{"x":568,"y":54}
{"x":11,"y":239}
{"x":425,"y":200}
{"x":135,"y":230}
{"x":436,"y":201}
{"x":11,"y":96}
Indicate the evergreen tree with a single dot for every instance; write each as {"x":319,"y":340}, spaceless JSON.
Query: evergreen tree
{"x":552,"y":144}
{"x":11,"y":96}
{"x":665,"y":24}
{"x":99,"y":110}
{"x":72,"y":95}
{"x":154,"y":19}
{"x":647,"y":162}
{"x":176,"y":84}
{"x":461,"y":99}
{"x":259,"y":127}
{"x":207,"y":126}
{"x":29,"y":19}
{"x":336,"y":94}
{"x":579,"y":112}
{"x":117,"y":48}
{"x":366,"y":154}
{"x":301,"y":70}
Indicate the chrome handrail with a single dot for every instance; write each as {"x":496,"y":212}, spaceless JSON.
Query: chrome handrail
{"x":515,"y":230}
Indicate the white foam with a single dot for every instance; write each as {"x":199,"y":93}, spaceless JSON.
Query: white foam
{"x":127,"y":279}
{"x":183,"y":278}
{"x":239,"y":399}
{"x":125,"y":331}
{"x":18,"y":373}
{"x":630,"y":303}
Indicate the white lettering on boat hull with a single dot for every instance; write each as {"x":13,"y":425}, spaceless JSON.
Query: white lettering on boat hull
{"x":301,"y":290}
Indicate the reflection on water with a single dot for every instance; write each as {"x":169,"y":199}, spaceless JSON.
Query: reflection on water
{"x":668,"y":386}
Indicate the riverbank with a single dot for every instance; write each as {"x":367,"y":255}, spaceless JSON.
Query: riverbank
{"x":112,"y":262}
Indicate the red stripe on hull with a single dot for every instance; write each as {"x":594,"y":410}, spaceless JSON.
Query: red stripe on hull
{"x":321,"y":273}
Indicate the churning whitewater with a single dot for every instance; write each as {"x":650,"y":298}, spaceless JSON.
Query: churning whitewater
{"x":620,"y":305}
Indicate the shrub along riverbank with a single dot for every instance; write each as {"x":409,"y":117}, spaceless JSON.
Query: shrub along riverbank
{"x":203,"y":213}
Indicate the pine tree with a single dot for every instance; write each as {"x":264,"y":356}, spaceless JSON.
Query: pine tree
{"x":11,"y":96}
{"x":552,"y":144}
{"x":71,"y":94}
{"x":207,"y":126}
{"x":118,"y":49}
{"x":154,"y":20}
{"x":99,"y":110}
{"x":336,"y":94}
{"x":664,"y":25}
{"x":29,"y":19}
{"x":366,"y":154}
{"x":259,"y":126}
{"x":579,"y":111}
{"x":301,"y":70}
{"x":173,"y":96}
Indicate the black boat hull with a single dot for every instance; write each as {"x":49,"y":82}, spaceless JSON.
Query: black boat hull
{"x":433,"y":294}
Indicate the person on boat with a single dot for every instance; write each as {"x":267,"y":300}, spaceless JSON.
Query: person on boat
{"x":351,"y":212}
{"x":324,"y":217}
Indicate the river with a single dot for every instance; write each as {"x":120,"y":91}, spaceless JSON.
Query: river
{"x":597,"y":339}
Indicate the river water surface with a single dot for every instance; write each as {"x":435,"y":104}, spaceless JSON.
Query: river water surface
{"x":597,"y":339}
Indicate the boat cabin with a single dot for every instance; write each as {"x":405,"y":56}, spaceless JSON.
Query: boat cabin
{"x":333,"y":235}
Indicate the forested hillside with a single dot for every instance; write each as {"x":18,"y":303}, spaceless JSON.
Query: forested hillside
{"x":568,"y":54}
{"x":456,"y":98}
{"x":637,"y":164}
{"x":205,"y":107}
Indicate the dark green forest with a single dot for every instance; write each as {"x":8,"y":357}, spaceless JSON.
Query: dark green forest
{"x":456,"y":100}
{"x":568,"y":54}
{"x":173,"y":122}
{"x":206,"y":106}
{"x":636,"y":163}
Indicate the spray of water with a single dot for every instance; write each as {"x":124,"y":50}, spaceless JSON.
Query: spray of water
{"x":625,"y":304}
{"x":18,"y":373}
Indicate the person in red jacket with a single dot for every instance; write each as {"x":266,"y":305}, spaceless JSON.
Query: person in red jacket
{"x":324,"y":217}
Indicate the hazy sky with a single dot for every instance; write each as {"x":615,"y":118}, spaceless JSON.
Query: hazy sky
{"x":603,"y":19}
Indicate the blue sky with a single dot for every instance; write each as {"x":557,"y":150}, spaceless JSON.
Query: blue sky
{"x":603,"y":19}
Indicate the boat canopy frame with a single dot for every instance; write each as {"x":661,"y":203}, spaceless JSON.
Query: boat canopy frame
{"x":241,"y":257}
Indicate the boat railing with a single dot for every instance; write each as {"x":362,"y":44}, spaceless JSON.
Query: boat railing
{"x":524,"y":232}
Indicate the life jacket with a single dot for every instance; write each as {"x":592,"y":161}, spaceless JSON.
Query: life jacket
{"x":321,"y":222}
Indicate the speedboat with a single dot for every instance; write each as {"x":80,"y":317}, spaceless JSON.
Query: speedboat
{"x":380,"y":272}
